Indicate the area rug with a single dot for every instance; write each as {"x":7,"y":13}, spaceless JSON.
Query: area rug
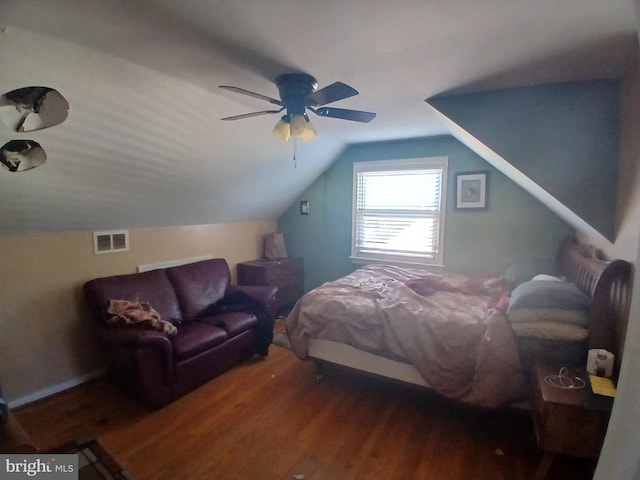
{"x":282,"y":340}
{"x":94,"y":461}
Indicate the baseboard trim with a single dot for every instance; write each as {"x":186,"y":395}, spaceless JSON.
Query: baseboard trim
{"x":60,"y":387}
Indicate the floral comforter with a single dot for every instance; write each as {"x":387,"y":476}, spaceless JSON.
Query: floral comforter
{"x":450,"y":327}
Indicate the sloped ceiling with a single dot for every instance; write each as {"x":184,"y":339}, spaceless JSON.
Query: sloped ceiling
{"x":558,"y":141}
{"x":144,"y":146}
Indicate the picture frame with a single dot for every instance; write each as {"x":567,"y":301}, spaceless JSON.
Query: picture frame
{"x":471,"y":190}
{"x":304,"y":207}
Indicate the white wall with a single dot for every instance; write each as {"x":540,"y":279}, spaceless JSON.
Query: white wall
{"x":620,"y":456}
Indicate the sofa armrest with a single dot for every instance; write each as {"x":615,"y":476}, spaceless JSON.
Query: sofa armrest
{"x":135,"y":338}
{"x":265,"y":295}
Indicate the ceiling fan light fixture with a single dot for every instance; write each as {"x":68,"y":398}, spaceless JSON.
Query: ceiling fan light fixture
{"x":302,"y":128}
{"x":298,"y":125}
{"x":282,"y":130}
{"x":309,"y":133}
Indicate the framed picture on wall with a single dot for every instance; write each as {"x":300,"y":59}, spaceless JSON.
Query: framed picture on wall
{"x":471,"y":190}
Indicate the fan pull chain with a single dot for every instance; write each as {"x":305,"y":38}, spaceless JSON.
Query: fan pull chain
{"x":295,"y":152}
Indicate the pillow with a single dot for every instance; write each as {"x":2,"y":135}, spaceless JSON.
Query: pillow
{"x":136,"y":314}
{"x":548,"y":294}
{"x":550,"y":331}
{"x":551,"y":278}
{"x":525,"y":269}
{"x":556,"y":315}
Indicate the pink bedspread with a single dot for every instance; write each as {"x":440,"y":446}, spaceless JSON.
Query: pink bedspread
{"x":463,"y":349}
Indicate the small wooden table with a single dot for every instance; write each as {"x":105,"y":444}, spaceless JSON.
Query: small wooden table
{"x":566,"y":421}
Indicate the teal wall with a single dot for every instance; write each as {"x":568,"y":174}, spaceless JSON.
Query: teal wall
{"x":562,"y":136}
{"x":475,"y":241}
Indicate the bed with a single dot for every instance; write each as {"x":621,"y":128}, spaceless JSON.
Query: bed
{"x":465,"y":337}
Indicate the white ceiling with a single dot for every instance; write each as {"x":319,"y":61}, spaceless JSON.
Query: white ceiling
{"x":143,"y":144}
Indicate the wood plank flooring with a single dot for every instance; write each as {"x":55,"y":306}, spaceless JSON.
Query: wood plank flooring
{"x":271,"y":419}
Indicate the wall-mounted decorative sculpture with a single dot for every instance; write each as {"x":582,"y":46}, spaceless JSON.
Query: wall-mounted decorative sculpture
{"x":21,"y":155}
{"x":33,"y":108}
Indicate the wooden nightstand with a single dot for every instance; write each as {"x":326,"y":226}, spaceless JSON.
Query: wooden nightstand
{"x":563,"y":422}
{"x":285,"y":273}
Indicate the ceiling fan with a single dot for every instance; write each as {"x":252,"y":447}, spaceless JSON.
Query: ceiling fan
{"x":298,"y":93}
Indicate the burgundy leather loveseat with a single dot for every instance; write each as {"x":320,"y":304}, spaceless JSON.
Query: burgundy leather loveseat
{"x":218,"y":326}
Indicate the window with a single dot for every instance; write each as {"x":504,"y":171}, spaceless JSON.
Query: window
{"x":398,"y":210}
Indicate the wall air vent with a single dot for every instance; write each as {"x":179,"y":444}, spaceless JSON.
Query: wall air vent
{"x":112,"y":241}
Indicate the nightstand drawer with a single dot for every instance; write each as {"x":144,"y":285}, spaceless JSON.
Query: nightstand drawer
{"x":282,"y":271}
{"x":286,"y":282}
{"x":264,"y":272}
{"x":288,"y":295}
{"x":286,"y":273}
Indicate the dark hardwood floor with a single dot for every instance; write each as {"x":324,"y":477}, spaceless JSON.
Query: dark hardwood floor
{"x":271,"y":419}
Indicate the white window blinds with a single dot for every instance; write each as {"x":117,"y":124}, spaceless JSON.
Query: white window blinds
{"x":398,"y":211}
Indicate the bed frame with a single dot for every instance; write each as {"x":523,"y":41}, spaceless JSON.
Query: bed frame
{"x":606,"y":283}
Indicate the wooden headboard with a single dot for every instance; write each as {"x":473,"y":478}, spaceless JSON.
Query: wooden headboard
{"x":607,"y":282}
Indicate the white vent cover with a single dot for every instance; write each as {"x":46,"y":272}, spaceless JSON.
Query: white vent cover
{"x":110,"y":242}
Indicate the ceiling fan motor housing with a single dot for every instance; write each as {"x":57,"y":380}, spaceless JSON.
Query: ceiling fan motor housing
{"x":298,"y":92}
{"x":293,"y":89}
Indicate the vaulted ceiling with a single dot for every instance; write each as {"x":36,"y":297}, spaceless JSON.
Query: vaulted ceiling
{"x":144,"y":145}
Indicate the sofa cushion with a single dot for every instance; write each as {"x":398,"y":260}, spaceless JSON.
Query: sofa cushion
{"x":234,"y":323}
{"x":200,"y":284}
{"x":196,"y":337}
{"x":151,"y":287}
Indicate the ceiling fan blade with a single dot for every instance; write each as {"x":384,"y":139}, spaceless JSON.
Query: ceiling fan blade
{"x":252,"y":94}
{"x":252,"y":114}
{"x":353,"y":115}
{"x":331,"y":93}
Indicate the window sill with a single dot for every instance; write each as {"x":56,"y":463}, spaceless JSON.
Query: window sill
{"x":366,"y":261}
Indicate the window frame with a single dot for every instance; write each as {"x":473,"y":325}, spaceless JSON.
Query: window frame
{"x":439,"y":163}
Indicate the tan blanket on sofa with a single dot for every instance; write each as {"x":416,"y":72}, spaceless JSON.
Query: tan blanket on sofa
{"x":463,"y":349}
{"x":141,"y":314}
